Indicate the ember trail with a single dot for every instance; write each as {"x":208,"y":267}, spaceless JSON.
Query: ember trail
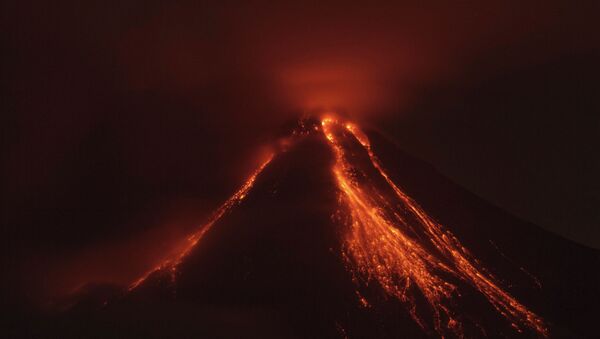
{"x":393,"y":242}
{"x":171,"y":263}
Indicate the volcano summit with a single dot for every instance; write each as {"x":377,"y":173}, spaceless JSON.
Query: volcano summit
{"x":340,"y":234}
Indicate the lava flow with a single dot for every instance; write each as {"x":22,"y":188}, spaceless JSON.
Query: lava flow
{"x":170,"y":263}
{"x":392,"y":241}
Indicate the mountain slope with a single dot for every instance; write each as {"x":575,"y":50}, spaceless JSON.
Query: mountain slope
{"x":315,"y":245}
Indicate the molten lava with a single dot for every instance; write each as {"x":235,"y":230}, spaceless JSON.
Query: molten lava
{"x":171,"y":263}
{"x":392,"y":241}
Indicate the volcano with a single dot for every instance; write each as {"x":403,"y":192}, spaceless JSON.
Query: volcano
{"x":340,"y":234}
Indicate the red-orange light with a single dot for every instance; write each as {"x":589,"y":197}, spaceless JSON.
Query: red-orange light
{"x":381,"y":245}
{"x":171,"y":263}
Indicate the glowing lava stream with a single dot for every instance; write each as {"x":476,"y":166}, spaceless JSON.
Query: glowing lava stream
{"x":171,"y":263}
{"x":395,"y":243}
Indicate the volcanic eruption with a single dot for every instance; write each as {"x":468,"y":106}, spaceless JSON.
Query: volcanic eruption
{"x":339,"y":234}
{"x":389,"y":240}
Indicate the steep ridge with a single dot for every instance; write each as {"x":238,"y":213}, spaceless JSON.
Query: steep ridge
{"x":289,"y":256}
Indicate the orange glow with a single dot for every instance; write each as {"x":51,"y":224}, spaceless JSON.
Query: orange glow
{"x":170,"y":263}
{"x":392,"y":241}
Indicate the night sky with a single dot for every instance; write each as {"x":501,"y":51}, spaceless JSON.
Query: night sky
{"x":126,"y":122}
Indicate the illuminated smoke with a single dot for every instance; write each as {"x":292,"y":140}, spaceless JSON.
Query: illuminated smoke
{"x":394,"y":242}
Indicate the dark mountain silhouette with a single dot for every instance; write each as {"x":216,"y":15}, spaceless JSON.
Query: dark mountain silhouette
{"x":275,"y":263}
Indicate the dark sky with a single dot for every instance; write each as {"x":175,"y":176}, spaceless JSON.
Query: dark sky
{"x":127,"y":121}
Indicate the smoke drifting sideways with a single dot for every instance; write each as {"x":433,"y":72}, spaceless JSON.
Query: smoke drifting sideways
{"x":363,"y":59}
{"x":185,"y":93}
